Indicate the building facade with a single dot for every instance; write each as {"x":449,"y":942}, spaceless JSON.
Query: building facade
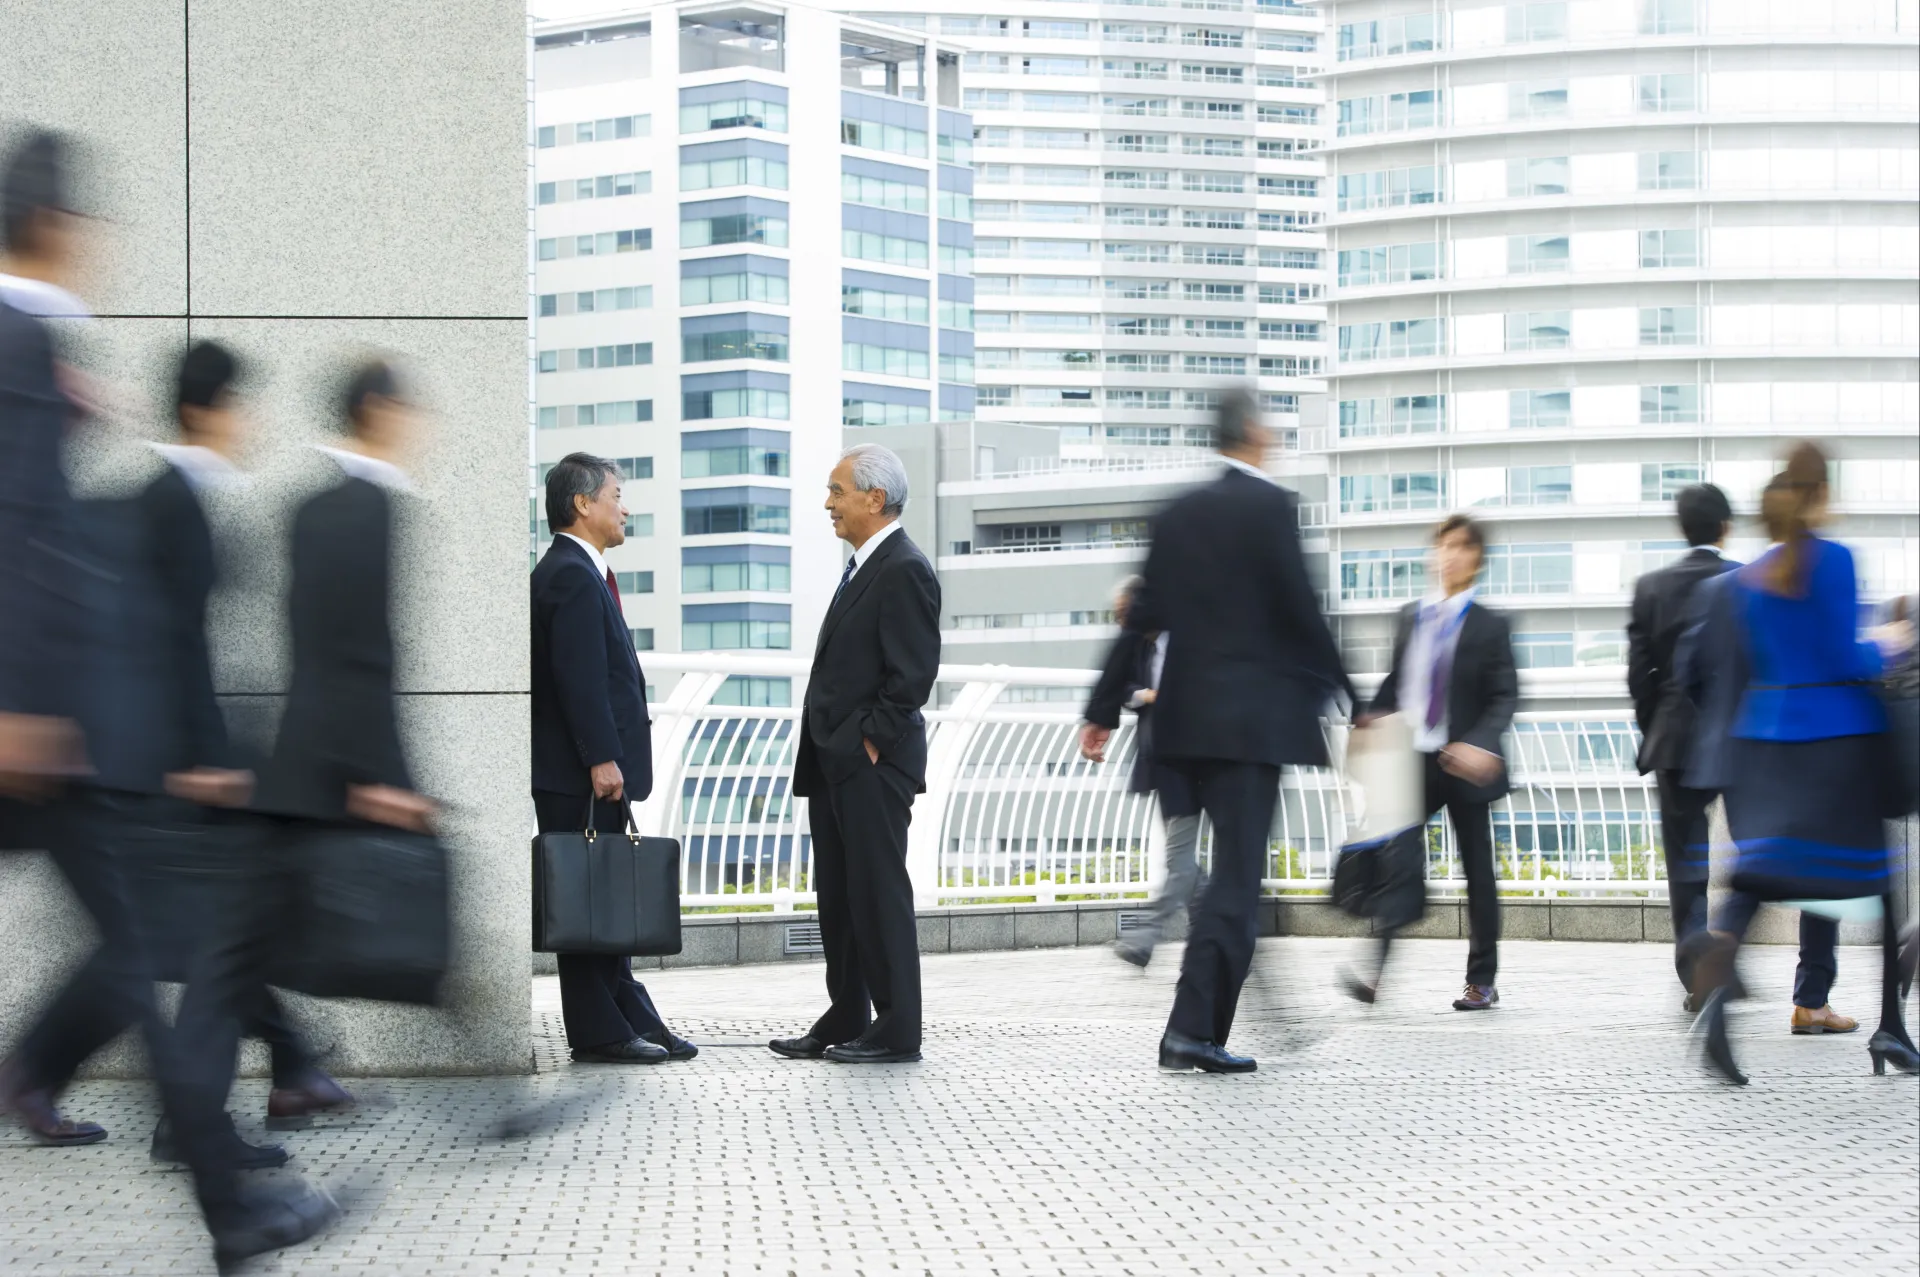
{"x":738,"y":252}
{"x":1588,"y":252}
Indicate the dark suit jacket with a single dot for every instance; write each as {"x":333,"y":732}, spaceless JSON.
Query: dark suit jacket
{"x":44,"y":583}
{"x":1661,"y":608}
{"x":1711,"y":667}
{"x":1251,"y":664}
{"x":162,"y":696}
{"x":873,"y":669}
{"x":589,"y":695}
{"x":1482,"y":686}
{"x":339,"y":727}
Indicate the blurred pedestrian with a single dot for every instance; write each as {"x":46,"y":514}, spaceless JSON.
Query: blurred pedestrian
{"x":862,"y":756}
{"x":1811,"y":779}
{"x":592,"y":743}
{"x":1251,"y":667}
{"x":47,"y":628}
{"x":1662,"y":608}
{"x":1130,"y":681}
{"x":1453,"y":676}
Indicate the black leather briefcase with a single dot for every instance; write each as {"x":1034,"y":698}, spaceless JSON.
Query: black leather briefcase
{"x":368,"y":916}
{"x":606,"y":891}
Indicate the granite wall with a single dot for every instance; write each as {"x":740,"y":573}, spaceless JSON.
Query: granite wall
{"x":309,"y":183}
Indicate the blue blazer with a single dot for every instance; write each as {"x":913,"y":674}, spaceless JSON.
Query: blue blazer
{"x":589,"y":696}
{"x":1813,"y":675}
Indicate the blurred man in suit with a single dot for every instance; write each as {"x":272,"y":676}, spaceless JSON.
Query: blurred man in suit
{"x":592,"y":751}
{"x":1249,"y":670}
{"x":48,"y":649}
{"x":1131,"y":680}
{"x":1453,"y":675}
{"x":862,"y":757}
{"x":1662,"y":607}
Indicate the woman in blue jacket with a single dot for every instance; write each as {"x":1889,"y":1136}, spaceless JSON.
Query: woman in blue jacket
{"x":1811,"y":773}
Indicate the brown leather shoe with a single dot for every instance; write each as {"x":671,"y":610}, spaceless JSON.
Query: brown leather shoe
{"x":1478,"y":997}
{"x":35,"y":1110}
{"x":289,"y":1108}
{"x":1825,"y":1020}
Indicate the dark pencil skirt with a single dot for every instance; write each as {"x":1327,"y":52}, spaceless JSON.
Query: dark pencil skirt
{"x":1805,"y":818}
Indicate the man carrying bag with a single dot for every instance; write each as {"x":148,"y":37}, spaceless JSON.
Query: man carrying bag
{"x":592,"y":757}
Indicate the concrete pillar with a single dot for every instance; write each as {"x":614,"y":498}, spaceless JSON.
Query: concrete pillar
{"x":309,"y":183}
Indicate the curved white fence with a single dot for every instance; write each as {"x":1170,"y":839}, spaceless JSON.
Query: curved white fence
{"x":1013,"y":813}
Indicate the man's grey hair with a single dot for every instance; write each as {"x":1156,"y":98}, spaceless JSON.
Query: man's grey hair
{"x":1127,"y":587}
{"x":879,"y":469}
{"x":578,"y":474}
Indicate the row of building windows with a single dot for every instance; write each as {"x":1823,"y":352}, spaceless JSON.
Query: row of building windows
{"x":1029,"y":620}
{"x":1134,"y":179}
{"x":619,"y":412}
{"x":601,"y":244}
{"x":991,"y":397}
{"x":625,"y":355}
{"x":1145,"y":289}
{"x":751,"y":110}
{"x":709,"y":290}
{"x":1601,"y":406}
{"x":614,"y":129}
{"x":599,"y":301}
{"x":1150,"y":326}
{"x":1149,"y":362}
{"x":606,"y":186}
{"x":1861,"y":324}
{"x":1147,"y":253}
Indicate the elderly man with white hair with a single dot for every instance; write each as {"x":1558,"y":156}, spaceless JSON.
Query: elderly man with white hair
{"x":862,"y":757}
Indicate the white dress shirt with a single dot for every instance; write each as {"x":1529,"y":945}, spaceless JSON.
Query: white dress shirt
{"x":40,"y":299}
{"x":1156,"y":662}
{"x":1253,"y":470}
{"x":204,"y":469}
{"x":865,"y":552}
{"x":1439,"y":620}
{"x":358,"y":465}
{"x":599,"y":559}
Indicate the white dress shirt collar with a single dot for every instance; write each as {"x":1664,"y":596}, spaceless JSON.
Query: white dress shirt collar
{"x":865,"y":552}
{"x":41,"y":300}
{"x":382,"y":474}
{"x":204,"y":469}
{"x":1253,"y":470}
{"x":1712,"y":549}
{"x":599,"y":559}
{"x":1446,"y":606}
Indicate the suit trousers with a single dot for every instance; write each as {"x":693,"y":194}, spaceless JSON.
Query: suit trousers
{"x":600,"y":1001}
{"x":1684,"y":838}
{"x":114,"y":989}
{"x":1238,"y":799}
{"x":1473,"y":835}
{"x":259,"y":1013}
{"x":1183,"y":880}
{"x":867,"y":922}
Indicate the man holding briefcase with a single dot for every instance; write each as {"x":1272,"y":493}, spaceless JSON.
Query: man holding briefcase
{"x":592,"y":755}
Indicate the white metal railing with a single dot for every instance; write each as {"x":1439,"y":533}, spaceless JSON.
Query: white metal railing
{"x":1012,"y":813}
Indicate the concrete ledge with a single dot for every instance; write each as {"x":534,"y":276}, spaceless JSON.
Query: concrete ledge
{"x":729,"y":939}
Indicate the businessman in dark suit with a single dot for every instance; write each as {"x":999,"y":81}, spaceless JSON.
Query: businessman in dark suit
{"x":861,"y":758}
{"x":592,"y":748}
{"x":1453,"y":677}
{"x":49,"y":645}
{"x":1662,"y":608}
{"x":1249,"y":669}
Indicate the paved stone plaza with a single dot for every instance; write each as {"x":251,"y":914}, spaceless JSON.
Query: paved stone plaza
{"x":1565,"y":1132}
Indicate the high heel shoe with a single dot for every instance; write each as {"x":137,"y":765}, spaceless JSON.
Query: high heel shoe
{"x":1884,"y":1048}
{"x":1711,"y":1028}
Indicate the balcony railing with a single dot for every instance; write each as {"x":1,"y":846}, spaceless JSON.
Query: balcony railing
{"x":1012,"y":813}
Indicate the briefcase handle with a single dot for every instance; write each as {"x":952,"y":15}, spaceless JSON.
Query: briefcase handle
{"x":632,"y":830}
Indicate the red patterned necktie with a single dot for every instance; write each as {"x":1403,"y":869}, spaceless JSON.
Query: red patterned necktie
{"x":613,"y":588}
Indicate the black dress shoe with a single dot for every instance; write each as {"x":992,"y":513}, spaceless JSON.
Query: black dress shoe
{"x":1356,"y":988}
{"x":858,"y":1052}
{"x":1716,"y":1050}
{"x":237,"y":1152}
{"x":270,"y":1220}
{"x":1179,"y":1054}
{"x":677,"y":1048}
{"x":804,"y":1047}
{"x":636,"y":1051}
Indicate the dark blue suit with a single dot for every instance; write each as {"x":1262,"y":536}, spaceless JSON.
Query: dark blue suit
{"x":589,"y":707}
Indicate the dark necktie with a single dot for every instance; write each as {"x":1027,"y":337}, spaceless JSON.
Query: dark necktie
{"x":613,"y":588}
{"x":1442,"y":668}
{"x":853,"y":561}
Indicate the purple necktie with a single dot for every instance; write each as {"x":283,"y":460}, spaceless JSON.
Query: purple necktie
{"x":1437,"y":682}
